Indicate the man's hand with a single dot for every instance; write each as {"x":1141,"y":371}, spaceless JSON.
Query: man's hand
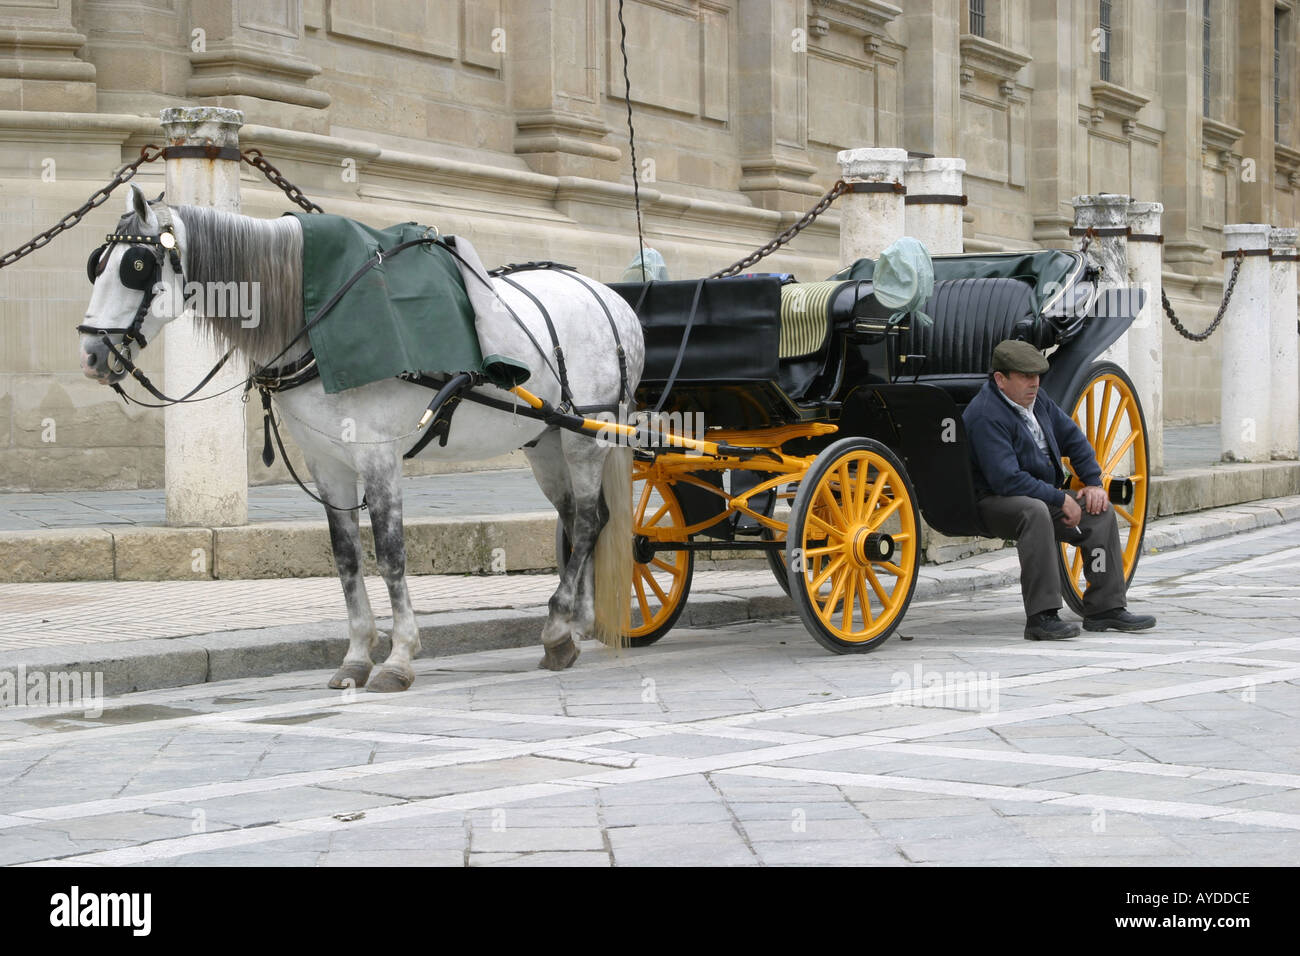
{"x":1072,"y":512}
{"x":1094,"y":499}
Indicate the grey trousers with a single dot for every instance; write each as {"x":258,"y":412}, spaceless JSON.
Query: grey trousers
{"x":1036,"y":528}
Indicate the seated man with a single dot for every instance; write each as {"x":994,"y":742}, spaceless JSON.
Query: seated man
{"x":1017,"y":439}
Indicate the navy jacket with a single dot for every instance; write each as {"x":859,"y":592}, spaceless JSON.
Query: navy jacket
{"x":1005,"y":459}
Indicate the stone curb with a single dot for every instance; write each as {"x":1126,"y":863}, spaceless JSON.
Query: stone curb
{"x":149,"y":664}
{"x":469,"y":544}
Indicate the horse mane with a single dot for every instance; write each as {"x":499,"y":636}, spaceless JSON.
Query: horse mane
{"x":223,"y":247}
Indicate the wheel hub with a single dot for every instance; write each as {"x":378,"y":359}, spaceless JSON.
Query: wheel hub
{"x":643,"y":549}
{"x":871,"y":547}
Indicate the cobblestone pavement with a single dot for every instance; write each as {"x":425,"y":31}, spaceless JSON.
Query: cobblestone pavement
{"x":957,"y":742}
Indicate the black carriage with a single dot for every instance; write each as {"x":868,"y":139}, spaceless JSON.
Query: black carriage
{"x":825,"y":401}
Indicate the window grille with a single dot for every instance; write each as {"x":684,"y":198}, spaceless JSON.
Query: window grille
{"x":1206,"y":50}
{"x":1105,"y":40}
{"x":977,"y":17}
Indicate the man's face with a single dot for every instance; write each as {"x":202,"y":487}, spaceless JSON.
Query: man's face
{"x":1019,"y":387}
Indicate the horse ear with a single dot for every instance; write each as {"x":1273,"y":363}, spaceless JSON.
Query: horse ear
{"x":137,"y":204}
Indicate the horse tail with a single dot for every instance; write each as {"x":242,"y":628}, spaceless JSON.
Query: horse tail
{"x":613,"y":555}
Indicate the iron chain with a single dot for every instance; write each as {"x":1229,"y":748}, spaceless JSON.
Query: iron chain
{"x":1223,"y":307}
{"x":836,"y":191}
{"x":255,"y":159}
{"x":147,"y":155}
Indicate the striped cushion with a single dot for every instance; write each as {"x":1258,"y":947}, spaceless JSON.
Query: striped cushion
{"x":805,"y":321}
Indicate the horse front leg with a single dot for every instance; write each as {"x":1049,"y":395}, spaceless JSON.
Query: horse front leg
{"x":337,"y":484}
{"x":384,"y":497}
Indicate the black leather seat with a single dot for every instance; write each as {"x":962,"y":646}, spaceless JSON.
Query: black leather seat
{"x":971,"y":316}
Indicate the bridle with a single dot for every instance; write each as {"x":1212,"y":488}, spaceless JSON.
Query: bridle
{"x":139,"y":270}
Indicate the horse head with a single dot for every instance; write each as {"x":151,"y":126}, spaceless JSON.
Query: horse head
{"x":138,"y":284}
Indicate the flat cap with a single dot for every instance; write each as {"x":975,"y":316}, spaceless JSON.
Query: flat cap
{"x":1016,"y":356}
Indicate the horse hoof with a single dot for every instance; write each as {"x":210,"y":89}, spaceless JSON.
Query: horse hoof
{"x":559,"y":656}
{"x":350,"y":675}
{"x":390,"y":681}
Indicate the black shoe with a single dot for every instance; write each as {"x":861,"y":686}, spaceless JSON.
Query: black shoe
{"x":1046,"y":626}
{"x":1119,"y":619}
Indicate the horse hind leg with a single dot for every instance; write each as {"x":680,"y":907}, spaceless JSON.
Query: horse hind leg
{"x":384,"y":496}
{"x":560,"y":649}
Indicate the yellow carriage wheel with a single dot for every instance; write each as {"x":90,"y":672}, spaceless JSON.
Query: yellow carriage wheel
{"x":1106,"y":409}
{"x":853,"y":547}
{"x":661,"y":580}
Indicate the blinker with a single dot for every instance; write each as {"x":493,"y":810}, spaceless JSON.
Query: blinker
{"x":93,"y":265}
{"x":137,"y":269}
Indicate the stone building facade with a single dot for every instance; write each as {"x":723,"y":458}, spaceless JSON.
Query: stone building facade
{"x":505,"y":121}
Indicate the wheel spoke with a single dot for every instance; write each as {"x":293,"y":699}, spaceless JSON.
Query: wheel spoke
{"x":1088,"y":428}
{"x":848,"y":492}
{"x":1124,"y":513}
{"x":821,"y":576}
{"x":828,"y":528}
{"x":1076,"y":566}
{"x":837,"y":588}
{"x":646,"y":616}
{"x":1119,"y":419}
{"x":1124,"y":446}
{"x":659,"y":592}
{"x":658,"y":514}
{"x":846,"y":616}
{"x":864,"y":600}
{"x":1105,"y":407}
{"x":665,"y":566}
{"x":824,"y":492}
{"x":640,"y":505}
{"x":876,"y":586}
{"x":884,"y":514}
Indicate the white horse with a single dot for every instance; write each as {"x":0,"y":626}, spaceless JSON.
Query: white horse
{"x":588,"y":481}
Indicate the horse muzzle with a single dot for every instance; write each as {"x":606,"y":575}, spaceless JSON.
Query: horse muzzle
{"x":98,"y":363}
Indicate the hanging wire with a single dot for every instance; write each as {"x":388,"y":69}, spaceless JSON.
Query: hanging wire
{"x":631,"y":139}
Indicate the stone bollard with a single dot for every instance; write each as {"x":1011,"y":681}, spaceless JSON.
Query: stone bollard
{"x":206,"y":460}
{"x":1145,"y":363}
{"x":1284,"y":371}
{"x":871,"y":217}
{"x":1244,"y":414}
{"x":934,"y":202}
{"x":1107,"y":215}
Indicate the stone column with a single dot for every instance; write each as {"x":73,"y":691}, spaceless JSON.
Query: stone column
{"x":556,"y":87}
{"x":39,"y":65}
{"x":1284,"y":370}
{"x":936,"y":224}
{"x":871,"y":221}
{"x":206,"y":460}
{"x":1108,"y":251}
{"x":1146,"y":334}
{"x":772,"y":107}
{"x":1244,"y":416}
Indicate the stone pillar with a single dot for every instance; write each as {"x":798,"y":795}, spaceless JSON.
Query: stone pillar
{"x":206,"y":459}
{"x":1284,"y":370}
{"x":1108,"y":251}
{"x":1244,"y":413}
{"x":1146,"y":334}
{"x":936,"y":224}
{"x":871,"y":221}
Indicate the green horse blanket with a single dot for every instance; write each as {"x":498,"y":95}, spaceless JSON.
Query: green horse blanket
{"x":409,"y":313}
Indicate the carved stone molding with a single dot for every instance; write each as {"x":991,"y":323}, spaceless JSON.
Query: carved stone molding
{"x":981,"y":55}
{"x":1287,"y":163}
{"x":1219,"y":137}
{"x":1118,"y":101}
